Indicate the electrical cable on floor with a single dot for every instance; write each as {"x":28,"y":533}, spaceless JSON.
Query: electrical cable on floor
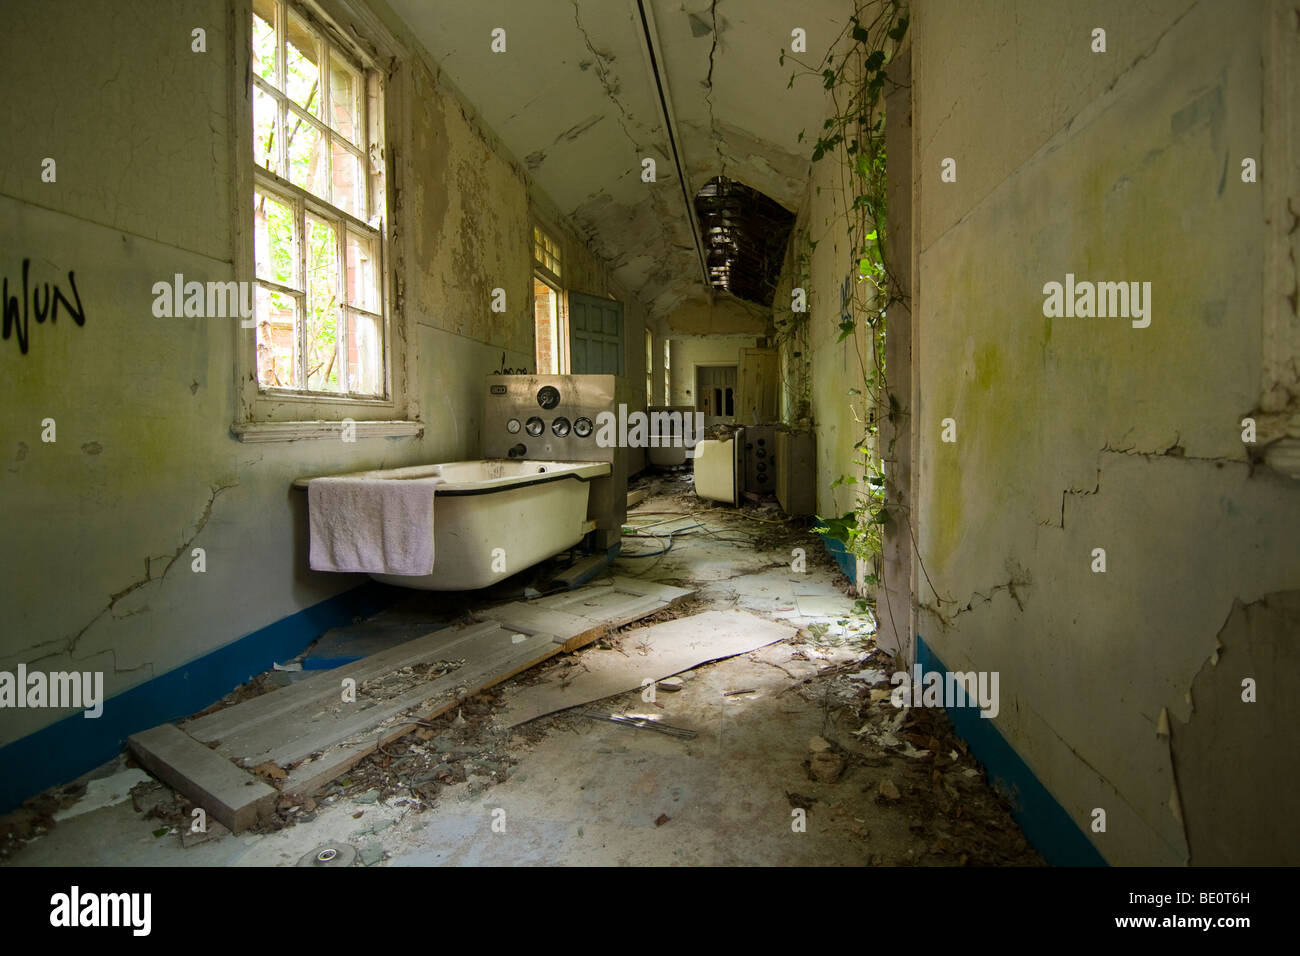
{"x":696,"y":528}
{"x":653,"y":554}
{"x":691,"y":514}
{"x":658,"y":537}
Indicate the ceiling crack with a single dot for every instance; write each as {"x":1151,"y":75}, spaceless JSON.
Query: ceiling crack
{"x":708,"y":96}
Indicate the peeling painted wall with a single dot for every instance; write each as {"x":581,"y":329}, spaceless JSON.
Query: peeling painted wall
{"x":99,"y":524}
{"x":1077,"y":433}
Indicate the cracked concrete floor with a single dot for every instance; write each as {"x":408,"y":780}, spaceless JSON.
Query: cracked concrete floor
{"x":587,"y":792}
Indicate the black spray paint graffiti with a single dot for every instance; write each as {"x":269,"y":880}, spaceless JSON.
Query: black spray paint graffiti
{"x":16,"y":324}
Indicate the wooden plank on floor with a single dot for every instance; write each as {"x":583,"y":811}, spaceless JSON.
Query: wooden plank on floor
{"x":311,"y":774}
{"x":668,"y":648}
{"x":320,"y":691}
{"x":251,"y":743}
{"x":307,"y":728}
{"x":582,"y":571}
{"x":530,"y":618}
{"x":494,"y":657}
{"x":231,"y":796}
{"x":605,"y":598}
{"x":636,"y":497}
{"x":611,"y":606}
{"x":591,"y":612}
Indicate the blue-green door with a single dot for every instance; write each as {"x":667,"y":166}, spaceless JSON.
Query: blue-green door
{"x":595,"y":335}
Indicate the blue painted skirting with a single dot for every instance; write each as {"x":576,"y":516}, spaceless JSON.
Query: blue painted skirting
{"x":1046,"y":825}
{"x":842,"y":557}
{"x":65,"y":750}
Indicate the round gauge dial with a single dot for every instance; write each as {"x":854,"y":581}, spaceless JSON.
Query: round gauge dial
{"x":560,"y":427}
{"x":534,"y":426}
{"x":513,"y":426}
{"x":548,"y":396}
{"x":582,"y":427}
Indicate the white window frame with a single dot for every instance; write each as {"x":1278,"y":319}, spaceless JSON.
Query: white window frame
{"x":268,"y":413}
{"x":560,"y":340}
{"x":668,"y":372}
{"x":649,"y":367}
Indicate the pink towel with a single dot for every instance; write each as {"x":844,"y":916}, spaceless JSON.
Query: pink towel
{"x":377,"y":525}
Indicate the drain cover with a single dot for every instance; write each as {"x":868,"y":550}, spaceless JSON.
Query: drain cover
{"x":339,"y":854}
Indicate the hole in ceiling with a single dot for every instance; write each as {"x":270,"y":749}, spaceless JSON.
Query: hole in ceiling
{"x":745,"y":234}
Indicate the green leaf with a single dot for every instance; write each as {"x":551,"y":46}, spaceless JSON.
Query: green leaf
{"x":861,"y":35}
{"x":899,"y":29}
{"x":843,"y":529}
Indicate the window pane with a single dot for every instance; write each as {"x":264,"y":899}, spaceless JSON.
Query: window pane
{"x":349,"y":186}
{"x":365,"y":348}
{"x":275,"y":247}
{"x":277,"y":339}
{"x":363,"y":272}
{"x":308,"y":161}
{"x":345,"y":99}
{"x":302,"y":67}
{"x":264,"y":43}
{"x":322,"y":319}
{"x":266,"y":148}
{"x":546,"y":251}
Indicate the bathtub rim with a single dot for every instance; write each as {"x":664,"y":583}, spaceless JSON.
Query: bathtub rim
{"x":584,"y":471}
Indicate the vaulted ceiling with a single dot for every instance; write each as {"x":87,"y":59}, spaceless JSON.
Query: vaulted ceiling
{"x":575,"y":98}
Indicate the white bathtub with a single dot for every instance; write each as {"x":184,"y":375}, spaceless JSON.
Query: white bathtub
{"x":496,"y":517}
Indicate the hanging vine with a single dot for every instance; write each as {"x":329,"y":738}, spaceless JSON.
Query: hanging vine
{"x":853,"y":72}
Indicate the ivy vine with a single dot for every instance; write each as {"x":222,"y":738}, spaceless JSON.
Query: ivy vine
{"x":854,"y":74}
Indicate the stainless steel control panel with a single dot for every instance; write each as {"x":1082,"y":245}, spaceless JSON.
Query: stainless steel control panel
{"x":558,"y":418}
{"x":548,"y":417}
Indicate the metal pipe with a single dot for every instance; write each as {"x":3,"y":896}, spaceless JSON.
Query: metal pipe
{"x":650,"y":45}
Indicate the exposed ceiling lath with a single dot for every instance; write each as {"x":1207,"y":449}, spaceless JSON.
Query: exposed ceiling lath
{"x":745,"y":234}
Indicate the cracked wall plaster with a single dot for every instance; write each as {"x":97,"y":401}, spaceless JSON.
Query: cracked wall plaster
{"x":1236,"y":761}
{"x":1074,"y":434}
